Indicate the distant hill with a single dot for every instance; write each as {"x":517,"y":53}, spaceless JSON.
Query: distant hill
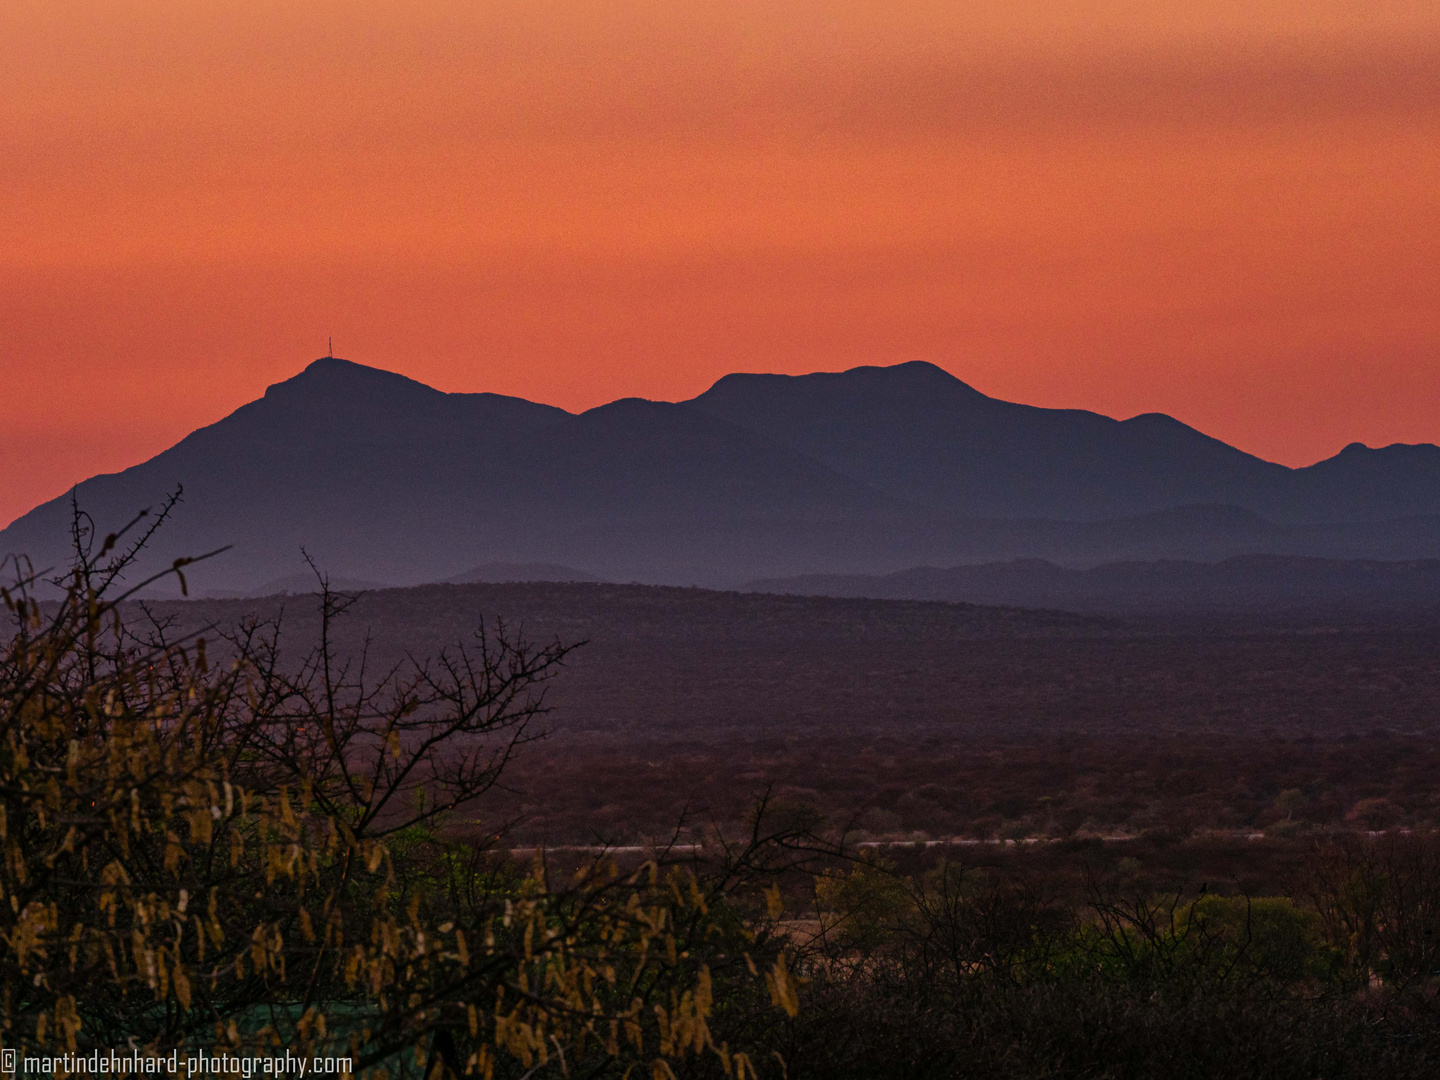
{"x":424,"y":619}
{"x":298,"y":584}
{"x":1244,"y":583}
{"x":383,"y":479}
{"x":507,"y":572}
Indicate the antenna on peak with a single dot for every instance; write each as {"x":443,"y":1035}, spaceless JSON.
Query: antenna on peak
{"x":330,"y":348}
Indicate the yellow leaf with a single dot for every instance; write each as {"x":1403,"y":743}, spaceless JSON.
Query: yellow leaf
{"x":773,"y":903}
{"x":782,"y":987}
{"x":182,"y":986}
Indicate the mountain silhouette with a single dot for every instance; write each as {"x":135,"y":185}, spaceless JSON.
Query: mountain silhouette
{"x":383,"y":479}
{"x":920,"y":434}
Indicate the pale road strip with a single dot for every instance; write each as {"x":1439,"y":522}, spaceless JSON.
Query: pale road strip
{"x":690,"y":849}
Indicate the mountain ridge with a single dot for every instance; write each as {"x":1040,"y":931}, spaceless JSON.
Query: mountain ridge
{"x":383,"y":478}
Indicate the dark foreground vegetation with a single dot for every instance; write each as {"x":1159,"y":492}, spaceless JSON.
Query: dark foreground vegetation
{"x":956,"y":970}
{"x":207,"y":850}
{"x":248,"y":834}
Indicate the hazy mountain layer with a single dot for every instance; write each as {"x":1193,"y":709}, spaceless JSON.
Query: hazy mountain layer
{"x":1271,"y":583}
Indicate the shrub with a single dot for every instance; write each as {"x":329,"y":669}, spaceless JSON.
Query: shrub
{"x":209,"y":845}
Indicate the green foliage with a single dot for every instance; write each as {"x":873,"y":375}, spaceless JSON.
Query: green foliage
{"x":968,"y":971}
{"x":860,"y":908}
{"x":1270,"y":937}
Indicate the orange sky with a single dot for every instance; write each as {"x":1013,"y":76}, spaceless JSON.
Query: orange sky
{"x":1228,"y":211}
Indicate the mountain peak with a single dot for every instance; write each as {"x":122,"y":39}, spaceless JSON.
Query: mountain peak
{"x":909,"y":377}
{"x":1358,"y":455}
{"x":335,"y":381}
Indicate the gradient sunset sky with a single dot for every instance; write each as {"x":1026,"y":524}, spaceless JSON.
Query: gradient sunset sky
{"x":1227,"y":211}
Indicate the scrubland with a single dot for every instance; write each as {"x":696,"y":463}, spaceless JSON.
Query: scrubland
{"x":722,"y":834}
{"x":907,"y":720}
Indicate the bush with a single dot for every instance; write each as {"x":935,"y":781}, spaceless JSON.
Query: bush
{"x":968,"y":972}
{"x":208,"y":845}
{"x":1378,"y":902}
